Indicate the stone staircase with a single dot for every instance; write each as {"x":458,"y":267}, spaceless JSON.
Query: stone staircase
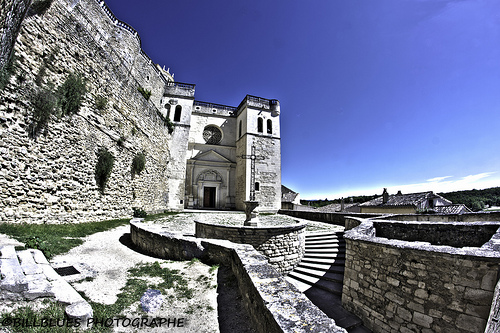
{"x":320,"y":277}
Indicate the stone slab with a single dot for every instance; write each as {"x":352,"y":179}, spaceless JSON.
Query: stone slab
{"x":65,"y":293}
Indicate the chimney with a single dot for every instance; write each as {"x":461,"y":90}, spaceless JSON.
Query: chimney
{"x":385,"y":196}
{"x":399,"y":193}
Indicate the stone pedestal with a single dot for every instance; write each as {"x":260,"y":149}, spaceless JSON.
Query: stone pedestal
{"x":252,"y":212}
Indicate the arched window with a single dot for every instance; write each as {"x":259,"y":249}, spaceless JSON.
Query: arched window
{"x":177,"y":115}
{"x":239,"y":136}
{"x":269,"y":126}
{"x":260,"y":125}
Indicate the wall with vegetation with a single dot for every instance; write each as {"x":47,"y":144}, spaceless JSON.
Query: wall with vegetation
{"x":55,"y":131}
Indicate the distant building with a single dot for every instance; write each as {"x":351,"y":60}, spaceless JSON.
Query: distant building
{"x":289,"y":198}
{"x":411,"y":204}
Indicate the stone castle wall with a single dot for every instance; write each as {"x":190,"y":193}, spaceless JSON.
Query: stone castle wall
{"x":11,"y":17}
{"x":413,"y":286}
{"x":51,"y":178}
{"x":283,"y":246}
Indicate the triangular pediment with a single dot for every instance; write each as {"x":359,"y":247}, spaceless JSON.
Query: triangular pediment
{"x":211,"y":156}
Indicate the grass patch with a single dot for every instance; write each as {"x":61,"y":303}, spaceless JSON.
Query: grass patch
{"x":136,"y":286}
{"x":51,"y":311}
{"x":54,"y":239}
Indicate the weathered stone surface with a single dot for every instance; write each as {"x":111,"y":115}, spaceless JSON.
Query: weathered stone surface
{"x":274,"y":304}
{"x":284,"y":246}
{"x":81,"y":311}
{"x":418,"y":286}
{"x":152,"y":300}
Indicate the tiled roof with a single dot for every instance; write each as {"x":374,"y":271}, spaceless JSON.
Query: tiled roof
{"x":452,"y":209}
{"x":287,"y":195}
{"x":411,"y":199}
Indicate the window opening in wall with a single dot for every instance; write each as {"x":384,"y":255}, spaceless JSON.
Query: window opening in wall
{"x":269,"y":126}
{"x":239,"y":130}
{"x":177,"y":115}
{"x":212,"y":135}
{"x":257,"y":186}
{"x":260,"y":125}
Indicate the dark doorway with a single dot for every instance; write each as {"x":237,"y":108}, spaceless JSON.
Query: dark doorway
{"x":209,"y":197}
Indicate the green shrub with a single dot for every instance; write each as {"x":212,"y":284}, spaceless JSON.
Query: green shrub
{"x":146,"y":93}
{"x":105,"y":161}
{"x":44,"y":104}
{"x":36,"y":242}
{"x":121,"y":141}
{"x":101,"y":103}
{"x":167,"y":122}
{"x":39,"y":7}
{"x":71,"y":94}
{"x":139,"y":213}
{"x":138,"y":163}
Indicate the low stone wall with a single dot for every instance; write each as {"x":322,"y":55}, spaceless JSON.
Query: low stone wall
{"x":331,"y":218}
{"x":273,"y":303}
{"x":284,"y":246}
{"x":466,"y":217}
{"x":404,"y":286}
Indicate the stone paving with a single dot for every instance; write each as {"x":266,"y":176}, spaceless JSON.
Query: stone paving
{"x":27,"y":275}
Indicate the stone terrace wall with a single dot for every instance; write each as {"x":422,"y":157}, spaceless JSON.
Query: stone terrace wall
{"x":400,"y":286}
{"x":51,"y":178}
{"x":331,"y":218}
{"x":273,"y":303}
{"x":466,"y":217}
{"x":283,"y":246}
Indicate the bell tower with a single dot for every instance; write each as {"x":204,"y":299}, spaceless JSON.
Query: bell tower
{"x":258,"y":153}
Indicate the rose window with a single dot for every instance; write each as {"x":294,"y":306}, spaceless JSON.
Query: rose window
{"x":212,"y":135}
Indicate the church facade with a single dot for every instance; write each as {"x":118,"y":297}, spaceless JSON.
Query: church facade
{"x":231,"y":154}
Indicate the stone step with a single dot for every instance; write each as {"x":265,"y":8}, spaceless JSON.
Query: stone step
{"x":301,"y":286}
{"x":332,"y":250}
{"x":329,"y":261}
{"x":325,"y":234}
{"x":331,"y":256}
{"x":324,"y":237}
{"x":319,"y":274}
{"x":323,"y":267}
{"x":331,"y":305}
{"x":324,"y":243}
{"x":330,"y":286}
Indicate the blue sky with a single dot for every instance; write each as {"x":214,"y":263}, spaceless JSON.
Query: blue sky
{"x":403,"y":94}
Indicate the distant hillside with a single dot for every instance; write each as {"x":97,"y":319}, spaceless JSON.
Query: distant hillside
{"x":321,"y":203}
{"x":475,"y":199}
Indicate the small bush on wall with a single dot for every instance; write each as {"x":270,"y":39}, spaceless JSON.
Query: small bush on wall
{"x":138,"y":212}
{"x":39,"y":7}
{"x":71,"y":94}
{"x":105,"y":161}
{"x":146,"y":93}
{"x":44,"y":104}
{"x":101,"y":103}
{"x":138,"y":163}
